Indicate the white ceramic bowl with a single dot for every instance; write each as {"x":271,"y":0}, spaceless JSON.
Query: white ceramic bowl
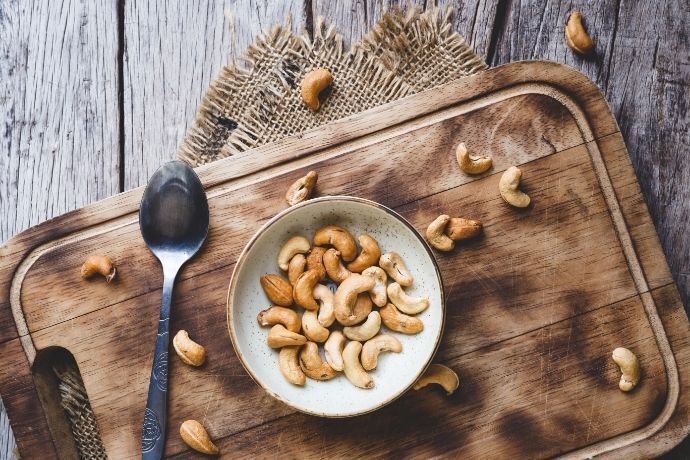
{"x":395,"y":373}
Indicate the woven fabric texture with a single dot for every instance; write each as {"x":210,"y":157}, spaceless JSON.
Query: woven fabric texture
{"x":406,"y":52}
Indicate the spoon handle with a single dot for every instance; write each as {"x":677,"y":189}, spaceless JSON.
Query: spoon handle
{"x":153,"y":432}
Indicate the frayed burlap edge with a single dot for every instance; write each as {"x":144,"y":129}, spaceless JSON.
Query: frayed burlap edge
{"x":406,"y":52}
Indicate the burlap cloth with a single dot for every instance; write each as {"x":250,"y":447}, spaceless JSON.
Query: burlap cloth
{"x":259,"y":102}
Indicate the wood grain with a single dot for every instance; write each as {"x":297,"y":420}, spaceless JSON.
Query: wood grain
{"x":538,"y":303}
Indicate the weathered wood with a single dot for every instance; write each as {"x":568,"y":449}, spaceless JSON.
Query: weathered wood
{"x":173,"y":50}
{"x":558,"y":289}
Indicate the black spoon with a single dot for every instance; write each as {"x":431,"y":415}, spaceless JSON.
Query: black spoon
{"x":173,"y":218}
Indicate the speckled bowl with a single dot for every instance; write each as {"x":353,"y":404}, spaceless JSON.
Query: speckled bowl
{"x":395,"y":373}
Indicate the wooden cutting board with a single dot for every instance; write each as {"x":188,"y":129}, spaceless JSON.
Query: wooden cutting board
{"x":535,"y":306}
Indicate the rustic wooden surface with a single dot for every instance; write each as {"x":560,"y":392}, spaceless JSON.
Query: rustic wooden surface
{"x":98,"y":94}
{"x":539,"y":302}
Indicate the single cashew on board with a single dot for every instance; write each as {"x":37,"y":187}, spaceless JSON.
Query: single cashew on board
{"x":99,"y":264}
{"x":312,"y":84}
{"x":195,"y":436}
{"x":293,"y":246}
{"x":280,"y":315}
{"x":301,"y":189}
{"x":459,"y":228}
{"x":188,"y":350}
{"x":629,"y":366}
{"x":288,"y":363}
{"x":469,"y":164}
{"x":508,"y":186}
{"x":576,"y":36}
{"x":353,"y":369}
{"x":436,"y":234}
{"x":441,"y":375}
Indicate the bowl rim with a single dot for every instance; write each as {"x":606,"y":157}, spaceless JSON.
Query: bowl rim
{"x":241,"y":260}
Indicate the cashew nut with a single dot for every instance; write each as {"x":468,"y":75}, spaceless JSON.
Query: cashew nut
{"x":471,"y":165}
{"x":280,"y":315}
{"x":339,"y":238}
{"x":280,"y":337}
{"x":288,"y":363}
{"x":630,"y":368}
{"x":296,"y":267}
{"x":293,"y":246}
{"x":463,"y":229}
{"x":361,"y":310}
{"x":378,"y":293}
{"x":396,"y":268}
{"x":326,"y":312}
{"x":369,"y":256}
{"x":406,"y":303}
{"x":301,"y":189}
{"x":366,"y":330}
{"x":334,"y":350}
{"x":353,"y":369}
{"x":278,"y":289}
{"x":315,"y":261}
{"x":312,"y":365}
{"x":303,"y":292}
{"x":440,"y":374}
{"x":188,"y":350}
{"x":347,"y":295}
{"x":99,"y":264}
{"x":576,"y":36}
{"x":400,"y":322}
{"x":379,"y":344}
{"x":313,"y":83}
{"x":508,"y":186}
{"x":334,"y":267}
{"x":312,"y":328}
{"x":436,"y":236}
{"x":195,"y":436}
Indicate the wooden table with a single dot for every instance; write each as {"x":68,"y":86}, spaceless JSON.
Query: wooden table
{"x":97,"y":95}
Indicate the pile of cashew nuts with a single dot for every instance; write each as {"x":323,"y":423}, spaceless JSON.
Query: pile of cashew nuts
{"x":362,"y":279}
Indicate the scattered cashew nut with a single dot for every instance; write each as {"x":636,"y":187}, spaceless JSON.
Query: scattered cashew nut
{"x":366,"y":330}
{"x":394,"y":265}
{"x":288,"y":363}
{"x":313,"y":330}
{"x":326,"y":312}
{"x":378,"y":293}
{"x":277,"y":289}
{"x":469,"y":164}
{"x":352,"y":367}
{"x":99,"y":264}
{"x":280,"y":337}
{"x":629,"y":366}
{"x":369,"y":256}
{"x":188,"y":350}
{"x":293,"y":246}
{"x":303,"y":292}
{"x":280,"y":315}
{"x":379,"y":344}
{"x":312,"y":365}
{"x":334,"y":267}
{"x":347,"y":295}
{"x":459,"y":228}
{"x":406,"y":303}
{"x":339,"y":238}
{"x":400,"y":322}
{"x":576,"y":36}
{"x":315,"y":261}
{"x":334,"y":350}
{"x":436,"y":234}
{"x":296,"y":267}
{"x":508,"y":186}
{"x":313,"y":83}
{"x":301,"y":189}
{"x":440,"y":374}
{"x":195,"y":436}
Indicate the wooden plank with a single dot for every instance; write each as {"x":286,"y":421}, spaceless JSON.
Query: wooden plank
{"x":173,"y":50}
